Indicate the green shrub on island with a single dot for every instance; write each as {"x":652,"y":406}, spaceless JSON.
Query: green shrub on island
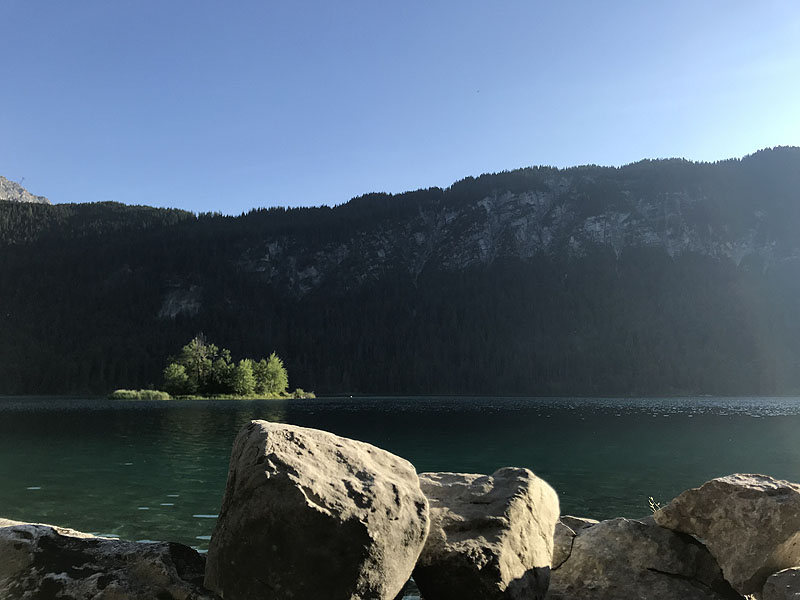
{"x":139,"y":395}
{"x":202,"y":369}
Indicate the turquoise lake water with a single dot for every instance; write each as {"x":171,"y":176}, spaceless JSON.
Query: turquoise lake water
{"x":156,"y":470}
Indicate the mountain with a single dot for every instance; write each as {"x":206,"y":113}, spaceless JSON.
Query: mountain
{"x":659,"y":277}
{"x":11,"y":191}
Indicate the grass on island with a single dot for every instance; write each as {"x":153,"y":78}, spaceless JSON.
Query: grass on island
{"x":139,"y":395}
{"x":159,"y":395}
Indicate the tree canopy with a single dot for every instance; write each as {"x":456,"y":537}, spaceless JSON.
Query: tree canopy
{"x":201,"y":368}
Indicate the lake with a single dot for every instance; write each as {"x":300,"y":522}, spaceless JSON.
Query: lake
{"x":156,"y":470}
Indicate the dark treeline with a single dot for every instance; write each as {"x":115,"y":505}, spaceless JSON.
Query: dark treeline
{"x":83,"y":288}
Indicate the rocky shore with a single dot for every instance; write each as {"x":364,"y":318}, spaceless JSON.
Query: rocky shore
{"x":308,"y":515}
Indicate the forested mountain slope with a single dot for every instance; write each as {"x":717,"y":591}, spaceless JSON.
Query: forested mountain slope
{"x":659,"y":277}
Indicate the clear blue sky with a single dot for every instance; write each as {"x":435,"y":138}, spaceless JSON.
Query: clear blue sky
{"x":231,"y":105}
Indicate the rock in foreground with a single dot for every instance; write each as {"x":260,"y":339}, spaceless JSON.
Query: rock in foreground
{"x":566,"y":530}
{"x":623,"y":559}
{"x":491,"y":536}
{"x":750,"y":523}
{"x":42,"y":561}
{"x":309,"y":515}
{"x":783,"y":585}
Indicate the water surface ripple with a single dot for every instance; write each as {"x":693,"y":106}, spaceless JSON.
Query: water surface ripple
{"x":156,"y":470}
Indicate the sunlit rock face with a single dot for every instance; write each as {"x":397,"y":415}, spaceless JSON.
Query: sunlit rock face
{"x":749,"y":522}
{"x":11,"y":191}
{"x":309,"y":515}
{"x":491,"y":536}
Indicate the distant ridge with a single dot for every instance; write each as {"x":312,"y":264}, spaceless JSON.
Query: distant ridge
{"x":11,"y":191}
{"x":658,"y":278}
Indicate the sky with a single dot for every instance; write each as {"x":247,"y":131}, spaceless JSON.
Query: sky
{"x":226,"y":106}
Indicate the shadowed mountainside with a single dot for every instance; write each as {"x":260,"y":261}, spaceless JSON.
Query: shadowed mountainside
{"x":660,"y":277}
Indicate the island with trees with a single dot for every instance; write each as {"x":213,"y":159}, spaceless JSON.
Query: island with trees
{"x":203,"y":370}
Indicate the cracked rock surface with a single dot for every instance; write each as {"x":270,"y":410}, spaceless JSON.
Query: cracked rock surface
{"x":491,"y":536}
{"x":564,"y":537}
{"x":750,"y":523}
{"x":623,"y":559}
{"x":310,"y":515}
{"x":42,"y":561}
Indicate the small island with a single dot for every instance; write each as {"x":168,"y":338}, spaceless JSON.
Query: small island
{"x":201,"y":370}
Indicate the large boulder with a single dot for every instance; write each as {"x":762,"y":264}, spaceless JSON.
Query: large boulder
{"x":43,"y":561}
{"x":783,"y":585}
{"x":750,"y":523}
{"x":624,"y":559}
{"x":310,"y":515}
{"x":491,"y":536}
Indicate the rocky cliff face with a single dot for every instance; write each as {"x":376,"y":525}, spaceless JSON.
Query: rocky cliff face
{"x":675,"y":206}
{"x":13,"y":192}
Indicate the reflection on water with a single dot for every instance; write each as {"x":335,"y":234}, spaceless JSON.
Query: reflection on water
{"x":156,"y":470}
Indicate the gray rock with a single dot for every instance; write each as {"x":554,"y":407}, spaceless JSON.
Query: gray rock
{"x":750,"y":523}
{"x":565,"y":535}
{"x":43,"y":561}
{"x":11,"y":191}
{"x":491,"y":536}
{"x":311,"y":515}
{"x":577,"y":523}
{"x":783,"y":585}
{"x":623,"y":559}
